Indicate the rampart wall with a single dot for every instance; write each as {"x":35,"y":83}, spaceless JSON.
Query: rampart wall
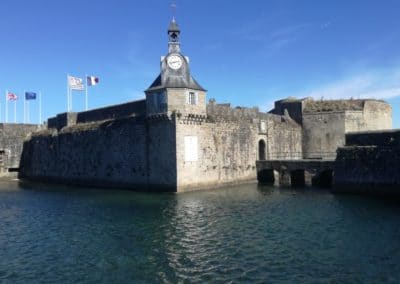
{"x":326,"y":123}
{"x":323,"y":133}
{"x":369,"y":164}
{"x":125,"y":152}
{"x":11,"y":141}
{"x":228,"y":145}
{"x":135,"y":109}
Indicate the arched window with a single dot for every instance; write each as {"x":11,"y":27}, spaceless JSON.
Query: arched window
{"x":261,"y":150}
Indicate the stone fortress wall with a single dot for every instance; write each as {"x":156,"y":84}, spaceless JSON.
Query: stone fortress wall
{"x":135,"y":108}
{"x":12,"y":136}
{"x":127,"y":151}
{"x":325,"y":123}
{"x":149,"y":152}
{"x":229,"y":144}
{"x":369,"y":163}
{"x":174,"y":141}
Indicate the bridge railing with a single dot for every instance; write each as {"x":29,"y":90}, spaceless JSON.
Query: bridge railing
{"x":300,"y":155}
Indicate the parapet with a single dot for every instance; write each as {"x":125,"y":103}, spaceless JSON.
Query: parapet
{"x":298,"y":107}
{"x":387,"y":138}
{"x":224,"y":112}
{"x":131,"y":109}
{"x":312,"y":106}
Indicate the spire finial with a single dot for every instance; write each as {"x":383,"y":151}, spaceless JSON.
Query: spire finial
{"x":173,"y":10}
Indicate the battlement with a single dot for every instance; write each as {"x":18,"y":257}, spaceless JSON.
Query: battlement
{"x":313,"y":106}
{"x":130,"y":109}
{"x":225,"y":112}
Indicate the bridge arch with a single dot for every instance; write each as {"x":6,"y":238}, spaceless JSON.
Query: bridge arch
{"x":262,"y":150}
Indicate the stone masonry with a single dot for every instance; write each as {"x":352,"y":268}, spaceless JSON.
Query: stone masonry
{"x":175,"y":141}
{"x":12,"y":136}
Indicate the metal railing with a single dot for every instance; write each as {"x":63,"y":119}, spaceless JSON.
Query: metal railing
{"x":300,"y":155}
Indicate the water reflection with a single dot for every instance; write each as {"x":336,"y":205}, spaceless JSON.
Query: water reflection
{"x":247,"y":233}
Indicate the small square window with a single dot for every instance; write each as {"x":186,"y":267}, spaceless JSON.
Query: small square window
{"x":192,"y":98}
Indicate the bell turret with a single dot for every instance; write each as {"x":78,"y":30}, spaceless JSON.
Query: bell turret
{"x":173,"y":37}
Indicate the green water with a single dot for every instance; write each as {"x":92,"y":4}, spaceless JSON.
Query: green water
{"x":241,"y":234}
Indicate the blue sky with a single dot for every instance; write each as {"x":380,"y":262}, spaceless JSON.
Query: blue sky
{"x":248,"y":53}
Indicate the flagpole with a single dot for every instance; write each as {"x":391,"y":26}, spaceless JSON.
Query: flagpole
{"x":27,"y":113}
{"x":40,"y":107}
{"x":24,"y":106}
{"x":86,"y":93}
{"x":6,"y":106}
{"x":15,"y":111}
{"x":67,"y":93}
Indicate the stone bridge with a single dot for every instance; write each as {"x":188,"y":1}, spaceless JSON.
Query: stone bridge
{"x":301,"y":172}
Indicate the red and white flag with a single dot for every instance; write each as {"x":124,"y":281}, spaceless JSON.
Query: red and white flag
{"x":12,"y":96}
{"x":92,"y":80}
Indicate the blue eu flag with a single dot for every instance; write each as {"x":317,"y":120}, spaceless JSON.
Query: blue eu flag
{"x":30,"y":96}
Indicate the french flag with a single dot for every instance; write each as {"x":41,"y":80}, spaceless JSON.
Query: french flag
{"x":92,"y":80}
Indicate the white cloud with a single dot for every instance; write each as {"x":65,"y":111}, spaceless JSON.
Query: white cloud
{"x":375,"y":85}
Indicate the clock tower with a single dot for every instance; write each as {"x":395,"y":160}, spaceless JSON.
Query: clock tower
{"x":175,"y":90}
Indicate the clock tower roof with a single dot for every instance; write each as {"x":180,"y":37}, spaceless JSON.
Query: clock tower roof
{"x":173,"y":26}
{"x":174,"y":82}
{"x":175,"y":72}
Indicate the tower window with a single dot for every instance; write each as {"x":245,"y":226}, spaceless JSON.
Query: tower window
{"x":191,"y":98}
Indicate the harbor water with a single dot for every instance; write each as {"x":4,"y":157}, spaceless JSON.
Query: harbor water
{"x":248,"y":233}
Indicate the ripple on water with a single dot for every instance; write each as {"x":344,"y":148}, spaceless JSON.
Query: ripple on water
{"x":241,"y":234}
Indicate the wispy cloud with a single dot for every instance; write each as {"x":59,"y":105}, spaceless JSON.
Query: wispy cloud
{"x":374,"y":84}
{"x":289,"y":31}
{"x":271,"y":38}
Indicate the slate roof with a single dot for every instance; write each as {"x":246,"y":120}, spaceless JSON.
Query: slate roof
{"x":175,"y":82}
{"x":173,"y":26}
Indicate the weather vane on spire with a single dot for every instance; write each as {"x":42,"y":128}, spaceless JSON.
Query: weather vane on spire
{"x":173,"y":9}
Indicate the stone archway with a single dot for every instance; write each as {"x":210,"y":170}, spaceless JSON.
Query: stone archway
{"x":261,"y":150}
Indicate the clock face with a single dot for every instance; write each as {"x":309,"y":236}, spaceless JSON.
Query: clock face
{"x":174,"y":62}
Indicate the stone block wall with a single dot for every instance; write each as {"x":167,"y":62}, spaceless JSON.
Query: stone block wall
{"x":226,"y":145}
{"x":369,"y":164}
{"x":293,"y":106}
{"x":177,"y":101}
{"x":12,"y":136}
{"x":63,"y":119}
{"x":387,"y":138}
{"x":161,"y":153}
{"x":283,"y":137}
{"x":377,"y":115}
{"x":126,"y":152}
{"x":323,"y":133}
{"x":135,"y":109}
{"x":225,"y":153}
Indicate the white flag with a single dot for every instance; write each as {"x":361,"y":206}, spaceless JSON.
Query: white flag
{"x":75,"y":83}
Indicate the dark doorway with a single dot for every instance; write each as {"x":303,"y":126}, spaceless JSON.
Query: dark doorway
{"x":261,"y":150}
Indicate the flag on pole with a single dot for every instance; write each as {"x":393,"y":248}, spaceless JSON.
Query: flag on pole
{"x":12,"y":96}
{"x":75,"y":83}
{"x":30,"y":96}
{"x":92,"y":80}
